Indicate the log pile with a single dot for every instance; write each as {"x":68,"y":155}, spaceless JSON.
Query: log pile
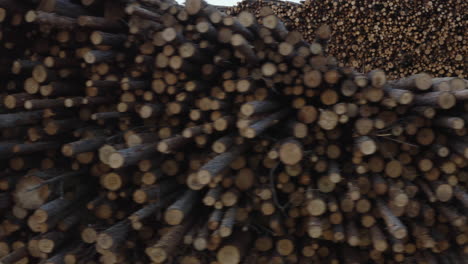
{"x":149,"y":132}
{"x":400,"y":37}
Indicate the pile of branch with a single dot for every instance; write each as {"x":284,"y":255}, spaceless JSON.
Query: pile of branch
{"x":401,"y":37}
{"x":149,"y":132}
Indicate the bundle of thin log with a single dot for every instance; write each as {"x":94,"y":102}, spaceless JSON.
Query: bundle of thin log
{"x":400,"y":37}
{"x":149,"y":132}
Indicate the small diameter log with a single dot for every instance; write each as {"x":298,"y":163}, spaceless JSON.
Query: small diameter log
{"x":285,"y":246}
{"x":378,"y":239}
{"x":142,"y":12}
{"x":16,"y":256}
{"x":455,"y":218}
{"x":52,"y":19}
{"x":44,"y":103}
{"x":328,"y":120}
{"x":222,"y":144}
{"x":63,"y":7}
{"x":17,"y":100}
{"x":99,"y":23}
{"x":151,"y":209}
{"x":153,"y":176}
{"x":235,"y":248}
{"x":444,"y":100}
{"x":215,"y":218}
{"x":51,"y":241}
{"x":255,"y":107}
{"x":403,"y":97}
{"x":421,"y":81}
{"x":461,"y":195}
{"x":52,"y":211}
{"x":452,"y":83}
{"x":366,"y":145}
{"x":200,"y":241}
{"x":131,"y":156}
{"x":227,"y":224}
{"x":242,"y":46}
{"x":85,"y":145}
{"x":443,"y":191}
{"x":394,"y":225}
{"x":114,"y":237}
{"x":307,"y":114}
{"x":377,"y":78}
{"x":150,"y":110}
{"x":59,"y":89}
{"x":260,"y":126}
{"x":154,"y":192}
{"x":29,"y":148}
{"x":172,"y":144}
{"x":179,"y":210}
{"x":213,"y":167}
{"x":104,"y":38}
{"x":291,"y":152}
{"x":21,"y":118}
{"x":96,"y":56}
{"x":212,"y":196}
{"x":166,"y":246}
{"x":449,"y":122}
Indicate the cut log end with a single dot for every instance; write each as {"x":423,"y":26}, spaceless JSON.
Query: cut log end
{"x":104,"y":241}
{"x":290,"y":153}
{"x":316,"y":207}
{"x":446,"y":100}
{"x":158,"y":255}
{"x":89,"y":235}
{"x":368,"y":147}
{"x":400,"y":233}
{"x":173,"y":216}
{"x":406,"y":98}
{"x":89,"y":58}
{"x":139,"y":196}
{"x":204,"y":177}
{"x":30,"y":16}
{"x":444,"y":192}
{"x":423,"y":81}
{"x":27,"y":198}
{"x":116,"y":160}
{"x":229,"y":255}
{"x":112,"y":181}
{"x":67,"y":150}
{"x":163,"y":147}
{"x":46,"y":245}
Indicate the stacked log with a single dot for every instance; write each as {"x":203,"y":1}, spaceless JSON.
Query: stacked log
{"x":400,"y":37}
{"x":149,"y":132}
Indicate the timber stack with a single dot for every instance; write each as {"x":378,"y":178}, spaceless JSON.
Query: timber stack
{"x":400,"y":37}
{"x":150,"y":132}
